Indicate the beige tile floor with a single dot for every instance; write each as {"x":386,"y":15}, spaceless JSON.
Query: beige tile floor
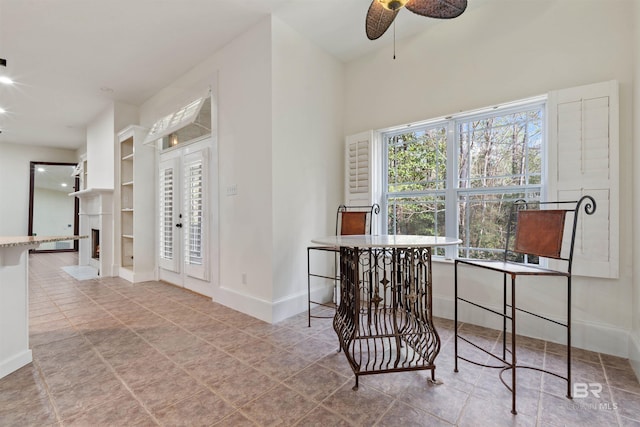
{"x":110,"y":353}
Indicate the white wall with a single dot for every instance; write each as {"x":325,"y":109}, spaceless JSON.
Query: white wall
{"x":245,"y":143}
{"x":14,"y":185}
{"x":634,"y":345}
{"x":307,"y":159}
{"x":100,"y":157}
{"x":242,"y":70}
{"x":490,"y":55}
{"x":101,"y":140}
{"x":124,"y":115}
{"x":279,"y":140}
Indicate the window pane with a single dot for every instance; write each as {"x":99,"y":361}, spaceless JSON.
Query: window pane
{"x":417,"y":161}
{"x":417,"y":215}
{"x":498,"y":159}
{"x":501,"y":151}
{"x":483,"y":222}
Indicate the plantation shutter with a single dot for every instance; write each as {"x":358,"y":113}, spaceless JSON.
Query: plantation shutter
{"x":194,"y":224}
{"x":584,"y":159}
{"x":360,"y":167}
{"x":167,"y":214}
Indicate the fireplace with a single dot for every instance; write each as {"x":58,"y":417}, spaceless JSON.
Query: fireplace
{"x":95,"y":243}
{"x":96,"y":223}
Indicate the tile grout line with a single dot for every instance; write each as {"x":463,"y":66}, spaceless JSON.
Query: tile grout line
{"x":613,"y":399}
{"x":194,"y":307}
{"x":104,"y":361}
{"x":177,"y":365}
{"x":202,"y":383}
{"x":280,"y":382}
{"x":35,"y":361}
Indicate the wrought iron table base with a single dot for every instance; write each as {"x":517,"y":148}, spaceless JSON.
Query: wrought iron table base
{"x":384,"y":320}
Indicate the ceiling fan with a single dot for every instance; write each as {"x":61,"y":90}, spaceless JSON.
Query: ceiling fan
{"x":382,"y":12}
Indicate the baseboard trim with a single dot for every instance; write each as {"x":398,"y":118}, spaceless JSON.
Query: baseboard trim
{"x":271,"y":312}
{"x":585,"y":335}
{"x":16,"y":362}
{"x":244,"y":303}
{"x":634,"y":353}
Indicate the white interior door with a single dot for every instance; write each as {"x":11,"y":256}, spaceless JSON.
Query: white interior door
{"x":182,"y":207}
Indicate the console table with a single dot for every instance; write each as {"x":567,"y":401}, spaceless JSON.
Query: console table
{"x":384,"y":317}
{"x":14,"y":299}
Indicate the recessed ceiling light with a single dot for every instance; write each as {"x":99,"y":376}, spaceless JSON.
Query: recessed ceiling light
{"x":6,"y":80}
{"x":40,"y":169}
{"x":64,"y":184}
{"x":2,"y":110}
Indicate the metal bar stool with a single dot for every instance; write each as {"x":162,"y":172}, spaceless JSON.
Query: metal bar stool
{"x":539,"y":234}
{"x":350,"y":220}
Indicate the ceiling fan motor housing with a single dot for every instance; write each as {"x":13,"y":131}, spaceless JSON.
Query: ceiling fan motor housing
{"x":393,"y":4}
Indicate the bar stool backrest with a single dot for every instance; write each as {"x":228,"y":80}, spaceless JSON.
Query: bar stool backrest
{"x":540,"y":231}
{"x":352,"y":220}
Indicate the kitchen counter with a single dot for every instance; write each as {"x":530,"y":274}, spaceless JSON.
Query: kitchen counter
{"x":7,"y":241}
{"x":14,"y":298}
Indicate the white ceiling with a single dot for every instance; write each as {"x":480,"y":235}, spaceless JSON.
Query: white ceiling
{"x":69,"y":58}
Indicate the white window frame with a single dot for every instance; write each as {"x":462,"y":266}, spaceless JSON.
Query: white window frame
{"x":177,"y":120}
{"x":452,"y":191}
{"x":597,"y":251}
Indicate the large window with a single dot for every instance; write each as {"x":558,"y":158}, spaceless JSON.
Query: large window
{"x":458,"y":176}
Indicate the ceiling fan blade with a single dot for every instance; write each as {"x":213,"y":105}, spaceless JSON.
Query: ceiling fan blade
{"x":379,"y":19}
{"x":443,"y":9}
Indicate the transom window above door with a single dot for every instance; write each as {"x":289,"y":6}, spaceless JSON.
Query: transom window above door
{"x":190,"y":123}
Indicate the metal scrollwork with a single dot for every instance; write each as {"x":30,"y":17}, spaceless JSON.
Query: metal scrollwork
{"x":384,"y":319}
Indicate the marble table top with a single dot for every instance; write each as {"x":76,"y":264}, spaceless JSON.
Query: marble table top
{"x":386,"y":241}
{"x":9,"y":241}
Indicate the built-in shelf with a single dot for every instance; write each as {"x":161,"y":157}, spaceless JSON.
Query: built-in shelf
{"x":136,"y":176}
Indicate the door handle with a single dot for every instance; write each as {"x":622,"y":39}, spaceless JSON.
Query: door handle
{"x":179,"y":225}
